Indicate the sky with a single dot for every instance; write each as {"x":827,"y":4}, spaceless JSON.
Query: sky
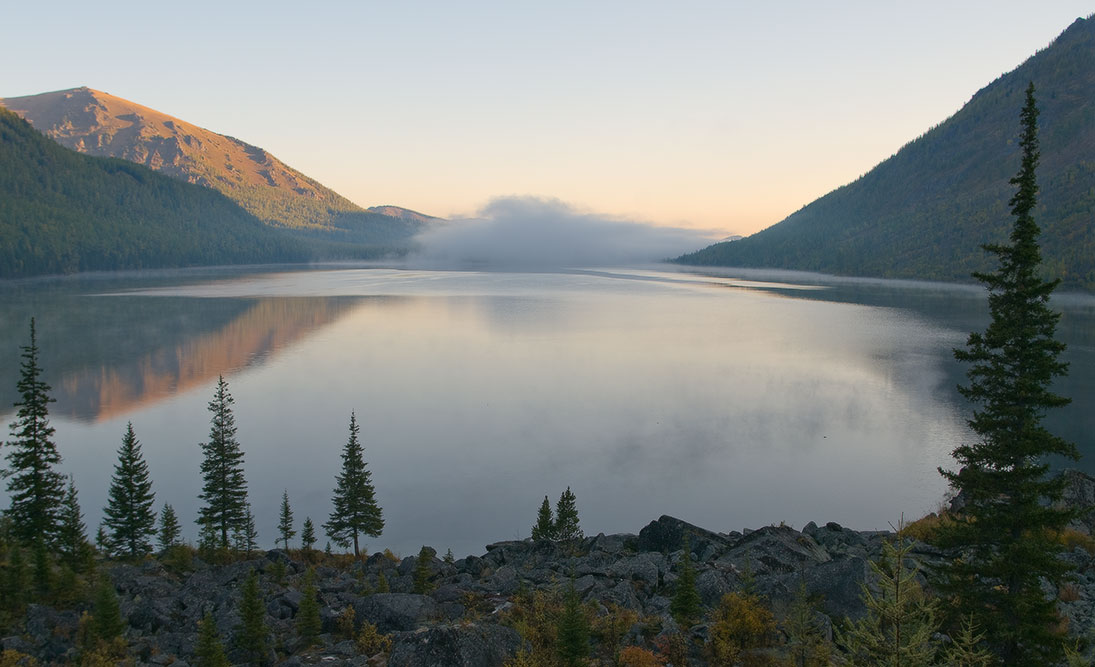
{"x":716,"y":116}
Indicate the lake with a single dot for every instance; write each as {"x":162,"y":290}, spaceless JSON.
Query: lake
{"x":727,"y":400}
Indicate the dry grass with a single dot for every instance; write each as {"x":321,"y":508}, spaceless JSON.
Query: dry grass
{"x":926,"y":529}
{"x":1071,"y":538}
{"x":1068,"y":593}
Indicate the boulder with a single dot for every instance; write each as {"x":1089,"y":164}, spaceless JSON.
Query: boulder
{"x":775,"y":550}
{"x":478,"y":645}
{"x":395,"y":612}
{"x":645,"y":568}
{"x":666,"y":535}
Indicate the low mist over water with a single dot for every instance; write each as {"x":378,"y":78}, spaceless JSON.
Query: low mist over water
{"x":528,"y":233}
{"x":725,"y":402}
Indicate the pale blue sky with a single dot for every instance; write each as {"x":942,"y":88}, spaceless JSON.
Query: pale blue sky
{"x":720,"y":115}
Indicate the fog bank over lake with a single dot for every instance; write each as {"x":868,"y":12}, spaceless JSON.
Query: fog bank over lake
{"x":531,"y":233}
{"x":729,"y":402}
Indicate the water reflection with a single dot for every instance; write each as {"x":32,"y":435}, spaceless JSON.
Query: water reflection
{"x":726,"y":402}
{"x":119,"y":354}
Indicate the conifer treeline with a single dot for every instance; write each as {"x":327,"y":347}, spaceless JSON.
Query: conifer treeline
{"x":44,"y":514}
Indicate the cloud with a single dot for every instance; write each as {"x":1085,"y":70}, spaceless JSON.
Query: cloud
{"x":537,"y":233}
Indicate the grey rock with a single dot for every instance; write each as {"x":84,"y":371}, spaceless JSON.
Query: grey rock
{"x":713,"y":584}
{"x":610,"y":544}
{"x":479,"y":645}
{"x":645,"y":568}
{"x":775,"y":550}
{"x":392,"y":612}
{"x":667,"y":535}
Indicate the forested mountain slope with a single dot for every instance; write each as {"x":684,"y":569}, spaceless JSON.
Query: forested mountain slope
{"x":97,"y":123}
{"x":925,"y":212}
{"x":62,"y":212}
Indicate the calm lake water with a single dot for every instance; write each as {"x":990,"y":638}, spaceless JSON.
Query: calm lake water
{"x":724,"y":400}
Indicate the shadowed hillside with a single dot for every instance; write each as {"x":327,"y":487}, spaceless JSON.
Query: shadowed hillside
{"x":61,"y":212}
{"x":925,"y":212}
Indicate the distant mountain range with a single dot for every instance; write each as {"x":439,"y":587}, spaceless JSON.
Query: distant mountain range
{"x":96,"y":123}
{"x":925,"y":211}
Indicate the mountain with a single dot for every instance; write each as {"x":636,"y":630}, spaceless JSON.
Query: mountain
{"x":405,"y":213}
{"x":925,"y":211}
{"x":93,"y":122}
{"x":62,"y":212}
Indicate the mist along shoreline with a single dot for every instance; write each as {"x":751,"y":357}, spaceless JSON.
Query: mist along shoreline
{"x":470,"y":610}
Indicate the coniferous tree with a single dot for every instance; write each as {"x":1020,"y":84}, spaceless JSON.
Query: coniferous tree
{"x":545,"y":523}
{"x":209,"y":650}
{"x":43,"y":569}
{"x":309,"y":624}
{"x":806,"y":642}
{"x":35,"y":487}
{"x":967,"y":647}
{"x":224,"y":487}
{"x":285,"y":521}
{"x":307,"y":535}
{"x":246,"y":534}
{"x":73,"y":545}
{"x":566,"y":518}
{"x":422,"y":571}
{"x":15,"y":581}
{"x":356,"y":511}
{"x":169,"y":527}
{"x":1005,"y":530}
{"x":900,"y":620}
{"x":128,"y":514}
{"x":685,"y":606}
{"x":572,"y":633}
{"x":252,"y":633}
{"x":106,"y":623}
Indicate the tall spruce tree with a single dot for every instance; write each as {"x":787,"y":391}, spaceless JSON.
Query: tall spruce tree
{"x":252,"y":633}
{"x":686,"y":605}
{"x":572,"y":631}
{"x":285,"y":520}
{"x":169,"y":527}
{"x":224,"y":488}
{"x":1005,"y":530}
{"x":356,"y":511}
{"x":545,"y":523}
{"x":209,"y":650}
{"x":128,"y":514}
{"x":309,"y":624}
{"x":307,"y":535}
{"x":35,"y":487}
{"x":72,"y":544}
{"x":106,"y":616}
{"x":566,"y":518}
{"x":246,"y":534}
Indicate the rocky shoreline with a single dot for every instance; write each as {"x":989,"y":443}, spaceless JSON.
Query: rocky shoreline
{"x":466,"y":618}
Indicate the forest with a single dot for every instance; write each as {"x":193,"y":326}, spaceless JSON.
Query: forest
{"x":924,"y":212}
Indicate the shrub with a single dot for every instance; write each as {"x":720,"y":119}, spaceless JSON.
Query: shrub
{"x":370,"y":642}
{"x":738,"y":625}
{"x":635,"y":656}
{"x":346,"y":622}
{"x":1071,"y":538}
